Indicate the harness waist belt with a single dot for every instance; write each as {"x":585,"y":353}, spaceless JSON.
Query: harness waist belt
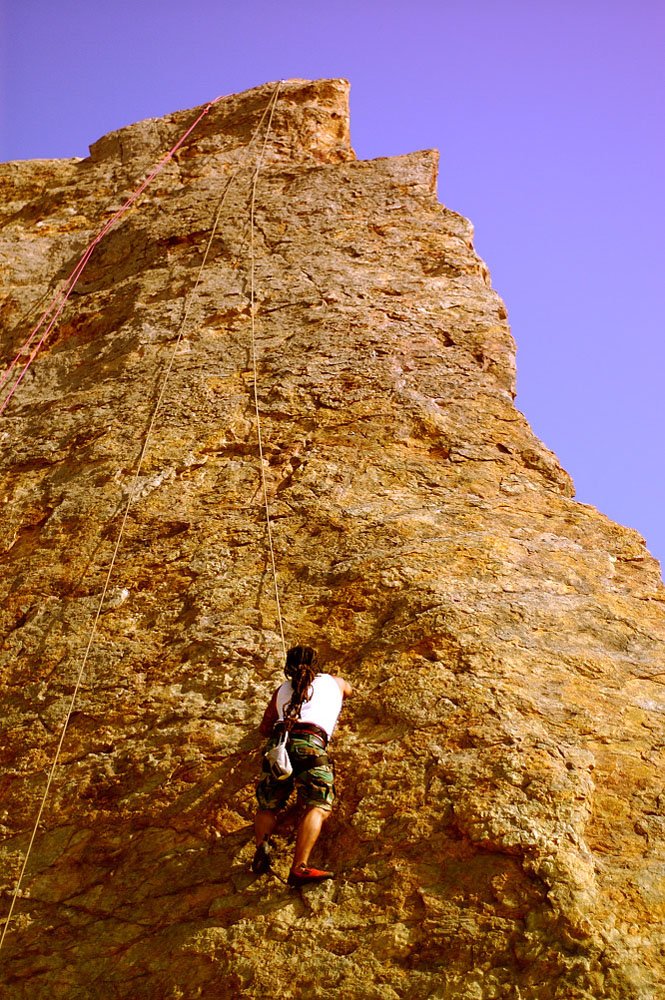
{"x":305,"y":729}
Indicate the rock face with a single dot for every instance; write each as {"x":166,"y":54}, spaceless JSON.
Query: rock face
{"x":499,"y":829}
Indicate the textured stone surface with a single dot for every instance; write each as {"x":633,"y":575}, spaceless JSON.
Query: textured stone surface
{"x":499,"y":831}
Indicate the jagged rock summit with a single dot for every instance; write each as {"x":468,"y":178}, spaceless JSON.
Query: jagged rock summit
{"x":499,"y":828}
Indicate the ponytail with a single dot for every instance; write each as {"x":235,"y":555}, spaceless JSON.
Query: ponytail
{"x":301,"y":669}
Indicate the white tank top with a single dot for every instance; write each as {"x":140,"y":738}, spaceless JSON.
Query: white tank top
{"x":322,"y":709}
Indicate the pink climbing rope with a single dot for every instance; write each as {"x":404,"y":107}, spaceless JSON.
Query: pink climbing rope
{"x":59,"y":300}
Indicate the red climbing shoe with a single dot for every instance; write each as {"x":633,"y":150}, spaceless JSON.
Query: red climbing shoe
{"x":303,"y":875}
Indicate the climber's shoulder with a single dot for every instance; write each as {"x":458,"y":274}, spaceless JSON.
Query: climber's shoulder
{"x":344,"y":686}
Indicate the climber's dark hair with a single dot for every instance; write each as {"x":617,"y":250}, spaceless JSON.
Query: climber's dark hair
{"x":301,"y":669}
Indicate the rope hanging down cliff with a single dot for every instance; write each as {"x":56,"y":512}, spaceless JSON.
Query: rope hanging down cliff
{"x":54,"y":311}
{"x":255,"y":374}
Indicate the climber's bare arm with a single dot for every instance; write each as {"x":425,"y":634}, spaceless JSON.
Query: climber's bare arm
{"x":269,"y":717}
{"x":344,"y":687}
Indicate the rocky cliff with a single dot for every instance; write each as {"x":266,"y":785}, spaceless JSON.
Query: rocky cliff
{"x":499,"y":827}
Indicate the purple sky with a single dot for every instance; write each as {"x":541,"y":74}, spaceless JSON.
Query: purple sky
{"x":549,"y":115}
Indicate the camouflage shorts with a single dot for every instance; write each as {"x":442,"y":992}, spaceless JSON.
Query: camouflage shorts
{"x":315,"y":785}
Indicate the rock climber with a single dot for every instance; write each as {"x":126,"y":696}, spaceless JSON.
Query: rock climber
{"x":307,"y":704}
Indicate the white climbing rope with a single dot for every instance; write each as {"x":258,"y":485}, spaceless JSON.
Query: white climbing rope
{"x":255,"y":373}
{"x":269,"y":110}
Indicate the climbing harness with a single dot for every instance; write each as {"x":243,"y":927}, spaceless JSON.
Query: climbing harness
{"x":280,"y":763}
{"x":294,"y":748}
{"x":48,"y":320}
